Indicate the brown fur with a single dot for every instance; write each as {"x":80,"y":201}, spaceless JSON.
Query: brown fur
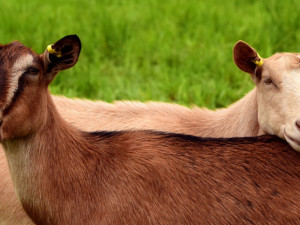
{"x":64,"y":176}
{"x":200,"y":122}
{"x":240,"y":119}
{"x":130,"y":115}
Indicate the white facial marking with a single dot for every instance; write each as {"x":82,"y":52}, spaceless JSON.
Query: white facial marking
{"x":19,"y":67}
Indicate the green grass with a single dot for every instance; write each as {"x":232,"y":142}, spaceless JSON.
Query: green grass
{"x":172,"y":50}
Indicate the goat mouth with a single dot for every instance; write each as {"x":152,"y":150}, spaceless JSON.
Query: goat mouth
{"x":292,"y":139}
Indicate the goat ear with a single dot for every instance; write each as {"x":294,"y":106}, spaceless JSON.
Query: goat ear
{"x":61,"y":55}
{"x":246,"y":58}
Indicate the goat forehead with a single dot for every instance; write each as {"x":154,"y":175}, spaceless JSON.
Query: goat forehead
{"x":15,"y":58}
{"x":282,"y":59}
{"x":11,"y":52}
{"x":282,"y":63}
{"x":22,"y":62}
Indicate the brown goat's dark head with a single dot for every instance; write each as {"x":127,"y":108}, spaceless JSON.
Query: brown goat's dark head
{"x":24,"y":78}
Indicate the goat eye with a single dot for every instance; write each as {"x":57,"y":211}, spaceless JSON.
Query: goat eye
{"x":32,"y":71}
{"x":268,"y":81}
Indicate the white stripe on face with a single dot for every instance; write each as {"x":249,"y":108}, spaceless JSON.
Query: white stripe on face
{"x":18,"y":68}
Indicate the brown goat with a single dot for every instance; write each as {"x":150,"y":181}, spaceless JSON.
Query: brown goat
{"x":269,"y":108}
{"x":66,"y":176}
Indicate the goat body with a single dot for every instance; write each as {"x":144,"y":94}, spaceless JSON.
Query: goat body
{"x":237,"y":120}
{"x":65,"y":176}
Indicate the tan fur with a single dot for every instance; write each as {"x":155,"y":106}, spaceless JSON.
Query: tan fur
{"x":239,"y":119}
{"x":277,"y":83}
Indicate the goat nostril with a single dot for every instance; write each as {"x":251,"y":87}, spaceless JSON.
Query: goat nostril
{"x":298,"y":124}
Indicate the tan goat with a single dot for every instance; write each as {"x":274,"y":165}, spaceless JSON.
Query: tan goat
{"x":66,"y":176}
{"x":270,"y":108}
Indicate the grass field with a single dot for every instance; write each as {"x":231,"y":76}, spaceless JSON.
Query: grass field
{"x":172,"y":50}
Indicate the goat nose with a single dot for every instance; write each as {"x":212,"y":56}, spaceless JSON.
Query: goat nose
{"x":298,"y":123}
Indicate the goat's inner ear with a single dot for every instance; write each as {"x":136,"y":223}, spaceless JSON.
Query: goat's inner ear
{"x":52,"y":58}
{"x":61,"y":55}
{"x":246,"y":57}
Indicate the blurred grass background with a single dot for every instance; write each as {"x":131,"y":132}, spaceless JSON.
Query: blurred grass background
{"x":172,"y":50}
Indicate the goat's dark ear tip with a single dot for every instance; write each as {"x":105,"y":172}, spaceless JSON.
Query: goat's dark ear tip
{"x":239,"y":43}
{"x":73,"y":38}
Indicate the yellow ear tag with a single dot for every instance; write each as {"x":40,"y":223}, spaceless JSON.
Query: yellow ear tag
{"x":53,"y":51}
{"x":259,"y":62}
